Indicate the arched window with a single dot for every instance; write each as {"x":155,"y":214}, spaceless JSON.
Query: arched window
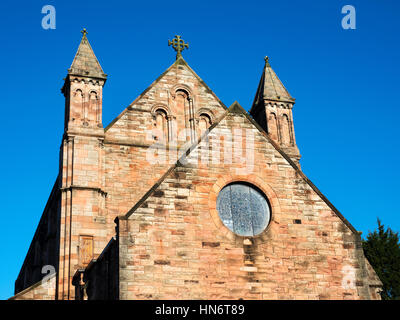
{"x":78,"y":95}
{"x":182,"y":104}
{"x":93,"y":112}
{"x":204,"y":122}
{"x":273,"y":127}
{"x":161,"y":124}
{"x":79,"y":110}
{"x":185,"y":106}
{"x":285,"y":130}
{"x":244,"y":209}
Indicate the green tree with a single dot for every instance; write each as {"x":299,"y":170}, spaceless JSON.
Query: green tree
{"x":382,"y":249}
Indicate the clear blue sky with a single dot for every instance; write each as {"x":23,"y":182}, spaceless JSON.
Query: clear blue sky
{"x":345,"y":83}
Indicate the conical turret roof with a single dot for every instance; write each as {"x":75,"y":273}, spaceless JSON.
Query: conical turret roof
{"x":85,"y":62}
{"x":271,"y":87}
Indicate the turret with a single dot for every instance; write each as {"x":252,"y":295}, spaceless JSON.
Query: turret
{"x":272,"y":110}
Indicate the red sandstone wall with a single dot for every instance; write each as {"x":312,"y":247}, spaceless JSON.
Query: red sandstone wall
{"x":174,"y":246}
{"x":128,"y":172}
{"x":104,"y":175}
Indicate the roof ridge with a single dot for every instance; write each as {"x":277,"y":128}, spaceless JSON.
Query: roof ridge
{"x":273,"y":84}
{"x":201,"y":81}
{"x":273,"y":79}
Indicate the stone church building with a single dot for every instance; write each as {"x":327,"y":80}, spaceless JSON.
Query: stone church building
{"x":182,"y":197}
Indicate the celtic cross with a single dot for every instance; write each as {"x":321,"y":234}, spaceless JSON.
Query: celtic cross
{"x":179,"y":45}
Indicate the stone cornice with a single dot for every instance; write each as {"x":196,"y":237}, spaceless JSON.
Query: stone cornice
{"x":72,"y":133}
{"x":72,"y":187}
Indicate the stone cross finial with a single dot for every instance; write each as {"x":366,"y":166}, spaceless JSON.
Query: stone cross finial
{"x":84,"y":32}
{"x":266,"y":59}
{"x":179,"y":45}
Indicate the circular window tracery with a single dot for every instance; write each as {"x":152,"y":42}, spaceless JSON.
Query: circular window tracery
{"x":243,"y":209}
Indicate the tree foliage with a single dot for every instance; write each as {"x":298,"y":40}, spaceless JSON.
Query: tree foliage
{"x":382,"y":249}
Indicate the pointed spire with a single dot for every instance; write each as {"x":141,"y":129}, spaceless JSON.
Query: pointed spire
{"x":272,"y":110}
{"x":85,"y":62}
{"x":270,"y":87}
{"x":236,"y":108}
